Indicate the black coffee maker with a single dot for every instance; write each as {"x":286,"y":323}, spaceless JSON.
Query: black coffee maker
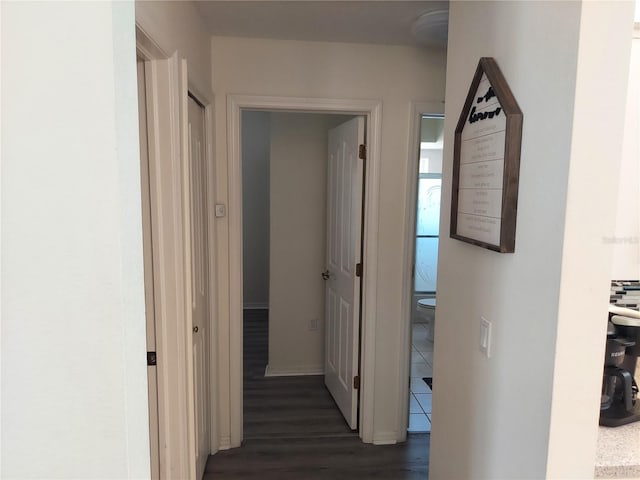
{"x":619,"y":401}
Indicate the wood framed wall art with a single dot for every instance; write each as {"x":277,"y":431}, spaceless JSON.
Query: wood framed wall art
{"x":486,"y":163}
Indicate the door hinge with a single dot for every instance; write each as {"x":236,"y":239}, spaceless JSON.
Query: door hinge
{"x":362,"y":151}
{"x":152,"y":359}
{"x":356,"y":382}
{"x":358,"y":269}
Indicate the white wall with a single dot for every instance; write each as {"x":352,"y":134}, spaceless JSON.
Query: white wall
{"x":74,"y":386}
{"x":255,"y":208}
{"x":177,"y":25}
{"x":530,"y":411}
{"x":397,"y":76}
{"x":299,"y":145}
{"x":625,"y":240}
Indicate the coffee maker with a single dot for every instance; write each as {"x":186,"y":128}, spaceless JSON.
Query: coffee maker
{"x":619,"y":401}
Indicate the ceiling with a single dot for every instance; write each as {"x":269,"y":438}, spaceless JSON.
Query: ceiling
{"x":377,"y":22}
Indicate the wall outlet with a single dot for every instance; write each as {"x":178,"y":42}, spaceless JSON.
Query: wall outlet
{"x":313,"y":325}
{"x":485,"y":337}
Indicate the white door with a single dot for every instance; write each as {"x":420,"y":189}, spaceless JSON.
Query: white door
{"x":199,"y":282}
{"x":344,"y":224}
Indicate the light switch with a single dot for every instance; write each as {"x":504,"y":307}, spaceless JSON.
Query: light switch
{"x":313,"y":325}
{"x":485,"y":336}
{"x":221,"y":210}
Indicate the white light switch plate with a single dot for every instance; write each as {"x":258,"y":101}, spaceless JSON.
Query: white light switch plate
{"x":485,"y":336}
{"x":313,"y":325}
{"x":221,"y":210}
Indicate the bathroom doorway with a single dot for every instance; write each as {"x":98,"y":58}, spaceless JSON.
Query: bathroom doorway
{"x":426,"y":231}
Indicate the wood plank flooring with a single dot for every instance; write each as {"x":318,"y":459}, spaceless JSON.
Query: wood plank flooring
{"x":294,"y":430}
{"x":277,"y":407}
{"x":339,"y":458}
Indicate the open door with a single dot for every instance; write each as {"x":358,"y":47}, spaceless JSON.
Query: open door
{"x":199,"y":282}
{"x":343,"y":267}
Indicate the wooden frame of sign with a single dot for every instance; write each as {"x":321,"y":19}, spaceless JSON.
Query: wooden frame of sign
{"x":486,"y":163}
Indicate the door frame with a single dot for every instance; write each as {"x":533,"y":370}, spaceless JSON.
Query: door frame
{"x":417,"y":110}
{"x":166,"y":89}
{"x":372,"y":111}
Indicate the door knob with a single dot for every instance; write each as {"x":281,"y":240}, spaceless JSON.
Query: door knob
{"x":195,"y":329}
{"x":326,"y":275}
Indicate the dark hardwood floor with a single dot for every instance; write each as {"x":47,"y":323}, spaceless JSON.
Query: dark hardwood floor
{"x":294,"y":430}
{"x":283,"y":407}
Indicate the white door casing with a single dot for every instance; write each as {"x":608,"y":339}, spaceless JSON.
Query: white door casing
{"x":199,"y":282}
{"x":148,"y":272}
{"x":344,"y":231}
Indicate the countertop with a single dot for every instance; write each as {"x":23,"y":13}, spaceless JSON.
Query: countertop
{"x":618,"y":453}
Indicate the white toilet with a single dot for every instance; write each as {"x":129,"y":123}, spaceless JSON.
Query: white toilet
{"x":427,"y":313}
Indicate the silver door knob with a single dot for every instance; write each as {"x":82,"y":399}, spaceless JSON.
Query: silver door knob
{"x":195,"y":329}
{"x":326,"y":275}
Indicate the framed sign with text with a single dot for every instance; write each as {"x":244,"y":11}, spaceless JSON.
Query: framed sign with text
{"x":486,"y":163}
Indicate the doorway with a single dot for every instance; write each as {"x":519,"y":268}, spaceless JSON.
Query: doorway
{"x":286,"y":215}
{"x":425,"y":267}
{"x":371,"y":110}
{"x":422,"y":222}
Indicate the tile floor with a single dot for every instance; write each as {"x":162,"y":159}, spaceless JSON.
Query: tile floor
{"x":421,"y":366}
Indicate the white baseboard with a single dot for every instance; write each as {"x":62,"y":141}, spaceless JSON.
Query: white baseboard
{"x":256,"y":306}
{"x":225,"y":443}
{"x":385,"y":438}
{"x":294,"y":371}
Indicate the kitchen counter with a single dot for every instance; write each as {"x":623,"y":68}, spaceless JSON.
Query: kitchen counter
{"x":618,"y":453}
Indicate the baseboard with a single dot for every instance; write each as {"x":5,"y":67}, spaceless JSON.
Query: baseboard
{"x":225,"y":443}
{"x":256,"y":306}
{"x":385,"y":438}
{"x":294,"y":371}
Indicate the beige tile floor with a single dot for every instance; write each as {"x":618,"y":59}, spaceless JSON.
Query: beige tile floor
{"x":421,"y":366}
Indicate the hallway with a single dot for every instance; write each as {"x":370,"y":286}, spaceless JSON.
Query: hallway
{"x":293,"y":429}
